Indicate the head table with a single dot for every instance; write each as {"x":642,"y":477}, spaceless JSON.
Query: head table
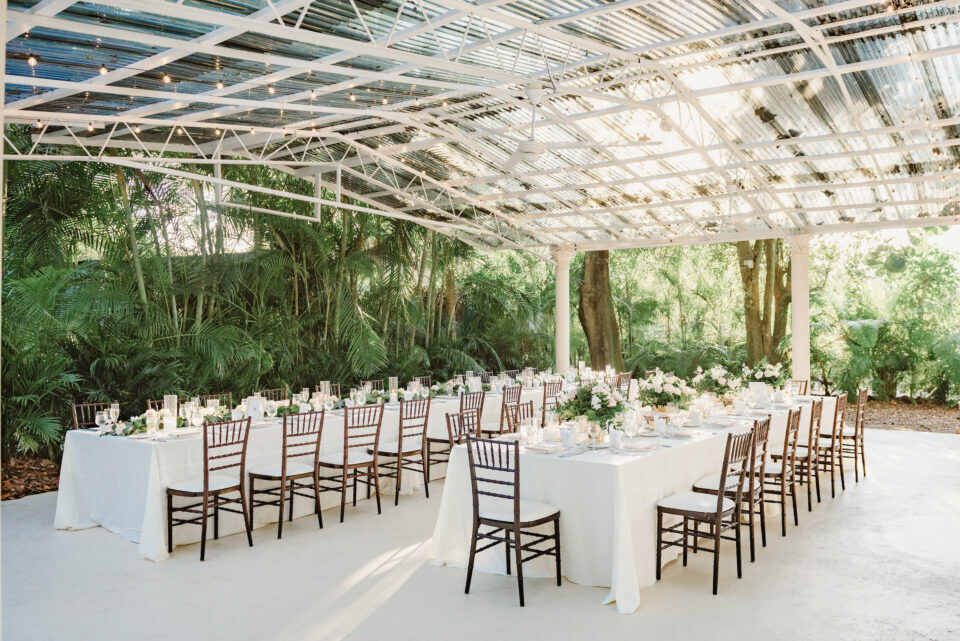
{"x":607,"y":505}
{"x":120,"y":482}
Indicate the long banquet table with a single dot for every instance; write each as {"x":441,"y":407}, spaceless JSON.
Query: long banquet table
{"x":120,"y":482}
{"x":607,"y":505}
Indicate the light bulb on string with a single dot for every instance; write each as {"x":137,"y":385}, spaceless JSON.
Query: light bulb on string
{"x":353,"y":98}
{"x":103,"y":70}
{"x":32,"y":61}
{"x":166,"y":79}
{"x":270,"y":89}
{"x":219,"y":84}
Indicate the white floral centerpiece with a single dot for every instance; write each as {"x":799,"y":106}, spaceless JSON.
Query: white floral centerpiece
{"x":664,"y":388}
{"x":764,"y":372}
{"x":599,"y":403}
{"x":717,"y":380}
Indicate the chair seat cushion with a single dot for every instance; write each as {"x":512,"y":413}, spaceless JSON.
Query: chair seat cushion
{"x":217,"y":482}
{"x":502,"y":509}
{"x":410,"y":444}
{"x":694,"y":502}
{"x":294,"y":468}
{"x":712,"y":482}
{"x":358,"y":456}
{"x":775,"y":468}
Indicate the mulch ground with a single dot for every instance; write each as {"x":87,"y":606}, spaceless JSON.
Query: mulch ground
{"x":24,"y":475}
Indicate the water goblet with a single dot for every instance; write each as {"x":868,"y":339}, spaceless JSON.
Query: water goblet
{"x":271,"y":409}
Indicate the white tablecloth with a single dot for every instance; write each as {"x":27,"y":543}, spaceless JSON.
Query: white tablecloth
{"x":607,"y":508}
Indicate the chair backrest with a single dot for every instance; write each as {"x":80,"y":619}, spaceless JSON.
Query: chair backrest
{"x":512,"y":373}
{"x":276,"y":394}
{"x":414,"y":415}
{"x":517,"y":412}
{"x":301,"y":437}
{"x":484,"y":376}
{"x":85,"y":414}
{"x":225,"y":398}
{"x":376,"y":384}
{"x":758,"y":452}
{"x":836,"y":425}
{"x":361,"y":429}
{"x":334,"y":389}
{"x":155,"y":404}
{"x":862,"y":397}
{"x":425,"y":380}
{"x":790,"y":438}
{"x":462,"y":424}
{"x":612,"y":381}
{"x":816,"y":409}
{"x":511,"y":394}
{"x":225,"y":448}
{"x":798,"y":386}
{"x":551,"y":390}
{"x":494,"y":472}
{"x":473,"y":401}
{"x":736,"y":461}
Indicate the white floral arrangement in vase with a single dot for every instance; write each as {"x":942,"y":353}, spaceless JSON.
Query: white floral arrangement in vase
{"x":717,"y":380}
{"x":664,"y":388}
{"x":764,"y":372}
{"x":598,"y":403}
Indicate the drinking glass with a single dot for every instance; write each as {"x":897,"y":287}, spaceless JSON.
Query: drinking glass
{"x":101,"y":420}
{"x":196,"y":418}
{"x":394,"y":383}
{"x":114,"y":411}
{"x":271,"y":409}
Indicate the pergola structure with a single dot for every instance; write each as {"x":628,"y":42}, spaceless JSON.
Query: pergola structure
{"x":528,"y":124}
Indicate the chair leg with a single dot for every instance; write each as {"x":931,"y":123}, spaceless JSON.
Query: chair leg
{"x":396,"y":494}
{"x":506,"y":550}
{"x":763,"y":518}
{"x":519,"y":553}
{"x":169,"y":523}
{"x":355,"y":474}
{"x":283,"y":493}
{"x":376,"y":482}
{"x":473,"y":554}
{"x":250,"y":487}
{"x":809,"y":490}
{"x":793,"y":497}
{"x":716,"y":555}
{"x":816,"y":477}
{"x":833,"y":483}
{"x":316,"y":495}
{"x":856,"y":462}
{"x":783,"y":508}
{"x":753,"y":551}
{"x":203,"y":528}
{"x":556,"y":543}
{"x":247,"y":517}
{"x":737,"y":539}
{"x":685,"y":541}
{"x":659,"y":540}
{"x":343,"y":493}
{"x":293,"y":485}
{"x":696,"y":536}
{"x":843,"y":479}
{"x":216,"y":516}
{"x":426,"y":473}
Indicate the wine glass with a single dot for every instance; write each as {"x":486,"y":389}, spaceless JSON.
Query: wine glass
{"x":114,"y":411}
{"x":101,"y":420}
{"x":595,"y":432}
{"x":271,"y":409}
{"x":196,"y":418}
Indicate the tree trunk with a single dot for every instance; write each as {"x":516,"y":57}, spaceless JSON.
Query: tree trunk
{"x":597,"y":314}
{"x":765,"y":303}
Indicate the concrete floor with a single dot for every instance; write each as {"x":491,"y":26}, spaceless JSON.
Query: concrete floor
{"x":880,"y":562}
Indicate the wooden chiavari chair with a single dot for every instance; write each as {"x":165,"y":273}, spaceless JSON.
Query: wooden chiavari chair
{"x":510,"y":396}
{"x":224,"y":449}
{"x":495,"y":484}
{"x":781,"y":474}
{"x":85,"y":414}
{"x":753,"y":496}
{"x":425,"y":381}
{"x":301,"y":438}
{"x":828,"y":446}
{"x":718,"y":511}
{"x":473,"y":401}
{"x":485,"y":377}
{"x":624,"y":380}
{"x":155,"y":404}
{"x":805,"y":464}
{"x":277,"y":394}
{"x":512,"y":373}
{"x":851,"y":439}
{"x":361,"y":442}
{"x":459,"y":424}
{"x":612,"y":381}
{"x":334,"y":389}
{"x":376,"y":384}
{"x":517,"y":413}
{"x":411,"y":444}
{"x":798,"y":386}
{"x":551,"y":392}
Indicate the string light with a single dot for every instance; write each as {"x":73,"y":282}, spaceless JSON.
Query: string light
{"x":353,"y":98}
{"x":180,"y":130}
{"x":90,"y":126}
{"x":313,"y":94}
{"x":384,"y":101}
{"x":32,"y":61}
{"x":166,"y":79}
{"x":103,"y":70}
{"x":136,"y":129}
{"x":271,"y":89}
{"x":216,"y":132}
{"x":38,"y":124}
{"x":219,"y":84}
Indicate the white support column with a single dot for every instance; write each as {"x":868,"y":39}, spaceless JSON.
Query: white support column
{"x":800,"y":303}
{"x":561,"y":257}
